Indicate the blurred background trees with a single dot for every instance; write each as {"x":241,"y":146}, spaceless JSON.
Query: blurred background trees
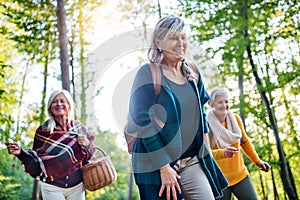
{"x":251,"y":47}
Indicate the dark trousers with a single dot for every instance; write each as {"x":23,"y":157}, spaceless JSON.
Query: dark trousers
{"x":243,"y":190}
{"x":150,"y":192}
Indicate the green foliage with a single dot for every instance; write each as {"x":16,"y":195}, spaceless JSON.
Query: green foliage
{"x":30,"y":25}
{"x":28,"y":35}
{"x":14,"y":183}
{"x":27,"y":27}
{"x":8,"y":188}
{"x":8,"y":87}
{"x":136,"y":11}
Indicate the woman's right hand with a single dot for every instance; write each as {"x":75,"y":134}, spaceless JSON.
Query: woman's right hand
{"x":13,"y":148}
{"x":229,"y":152}
{"x":169,"y":182}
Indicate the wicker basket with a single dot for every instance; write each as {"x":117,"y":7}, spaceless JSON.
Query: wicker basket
{"x":99,"y":172}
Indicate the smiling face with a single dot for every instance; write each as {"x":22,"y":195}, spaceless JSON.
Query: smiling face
{"x":60,"y":107}
{"x":173,"y":46}
{"x":221,"y":107}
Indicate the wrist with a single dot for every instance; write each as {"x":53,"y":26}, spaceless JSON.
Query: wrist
{"x":164,"y":167}
{"x":258,"y":163}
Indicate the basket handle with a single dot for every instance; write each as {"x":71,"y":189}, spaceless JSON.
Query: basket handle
{"x":101,"y":150}
{"x":96,"y":148}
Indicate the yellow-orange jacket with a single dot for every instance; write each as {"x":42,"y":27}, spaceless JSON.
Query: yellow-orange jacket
{"x":234,"y":168}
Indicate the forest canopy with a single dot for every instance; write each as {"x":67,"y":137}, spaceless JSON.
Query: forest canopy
{"x":250,"y":47}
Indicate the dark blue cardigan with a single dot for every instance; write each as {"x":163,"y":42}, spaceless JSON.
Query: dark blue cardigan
{"x":157,"y":146}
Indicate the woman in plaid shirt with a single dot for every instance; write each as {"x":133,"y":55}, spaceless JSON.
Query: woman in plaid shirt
{"x":60,"y":145}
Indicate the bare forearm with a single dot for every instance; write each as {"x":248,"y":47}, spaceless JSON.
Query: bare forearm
{"x":206,"y":140}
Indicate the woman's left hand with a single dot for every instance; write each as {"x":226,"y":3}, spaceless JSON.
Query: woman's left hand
{"x":169,"y":181}
{"x":264,"y":166}
{"x":82,"y":140}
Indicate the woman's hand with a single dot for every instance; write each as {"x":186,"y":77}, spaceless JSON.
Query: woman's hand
{"x":229,"y":152}
{"x":264,"y":166}
{"x":13,"y":148}
{"x":82,"y":140}
{"x":169,"y":182}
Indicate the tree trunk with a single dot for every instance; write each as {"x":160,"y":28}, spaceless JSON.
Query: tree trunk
{"x":18,"y":135}
{"x":43,"y":103}
{"x":83,"y":115}
{"x":63,"y":44}
{"x":285,"y":174}
{"x":242,"y":8}
{"x":159,"y":9}
{"x":35,"y":192}
{"x":130,"y":185}
{"x":265,"y":197}
{"x":72,"y":59}
{"x":241,"y":89}
{"x":45,"y":74}
{"x":276,"y":196}
{"x":289,"y":118}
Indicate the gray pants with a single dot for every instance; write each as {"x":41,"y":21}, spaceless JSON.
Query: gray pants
{"x":193,"y":181}
{"x":244,"y":190}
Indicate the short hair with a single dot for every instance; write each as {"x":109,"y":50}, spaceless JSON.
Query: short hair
{"x":217,"y":91}
{"x":166,"y":26}
{"x":70,"y":101}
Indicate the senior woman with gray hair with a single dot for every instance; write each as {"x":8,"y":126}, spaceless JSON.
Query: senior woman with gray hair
{"x":227,"y":136}
{"x":170,"y":158}
{"x":60,"y":146}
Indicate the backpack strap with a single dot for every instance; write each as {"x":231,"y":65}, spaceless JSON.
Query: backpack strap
{"x":133,"y":135}
{"x":195,"y":69}
{"x":156,"y":77}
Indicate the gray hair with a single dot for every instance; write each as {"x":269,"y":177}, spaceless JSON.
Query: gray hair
{"x":168,"y":26}
{"x":217,"y":91}
{"x":70,"y":113}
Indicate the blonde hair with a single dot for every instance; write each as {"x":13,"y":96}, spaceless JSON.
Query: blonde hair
{"x":168,"y":26}
{"x":217,"y":91}
{"x":70,"y":113}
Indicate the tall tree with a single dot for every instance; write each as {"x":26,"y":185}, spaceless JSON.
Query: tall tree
{"x":63,"y":44}
{"x":81,"y":15}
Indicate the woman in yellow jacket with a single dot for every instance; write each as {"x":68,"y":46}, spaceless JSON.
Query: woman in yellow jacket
{"x":227,"y":136}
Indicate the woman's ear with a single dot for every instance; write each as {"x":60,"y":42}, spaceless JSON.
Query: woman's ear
{"x":157,"y":42}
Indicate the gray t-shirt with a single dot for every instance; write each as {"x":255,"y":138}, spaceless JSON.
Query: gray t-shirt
{"x":189,"y":108}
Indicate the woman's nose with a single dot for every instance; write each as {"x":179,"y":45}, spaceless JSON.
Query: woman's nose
{"x":180,"y":40}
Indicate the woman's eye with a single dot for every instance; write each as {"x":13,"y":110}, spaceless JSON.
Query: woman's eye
{"x":59,"y":101}
{"x":178,"y":38}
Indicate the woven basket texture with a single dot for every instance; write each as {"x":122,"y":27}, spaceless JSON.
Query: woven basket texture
{"x":99,"y":172}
